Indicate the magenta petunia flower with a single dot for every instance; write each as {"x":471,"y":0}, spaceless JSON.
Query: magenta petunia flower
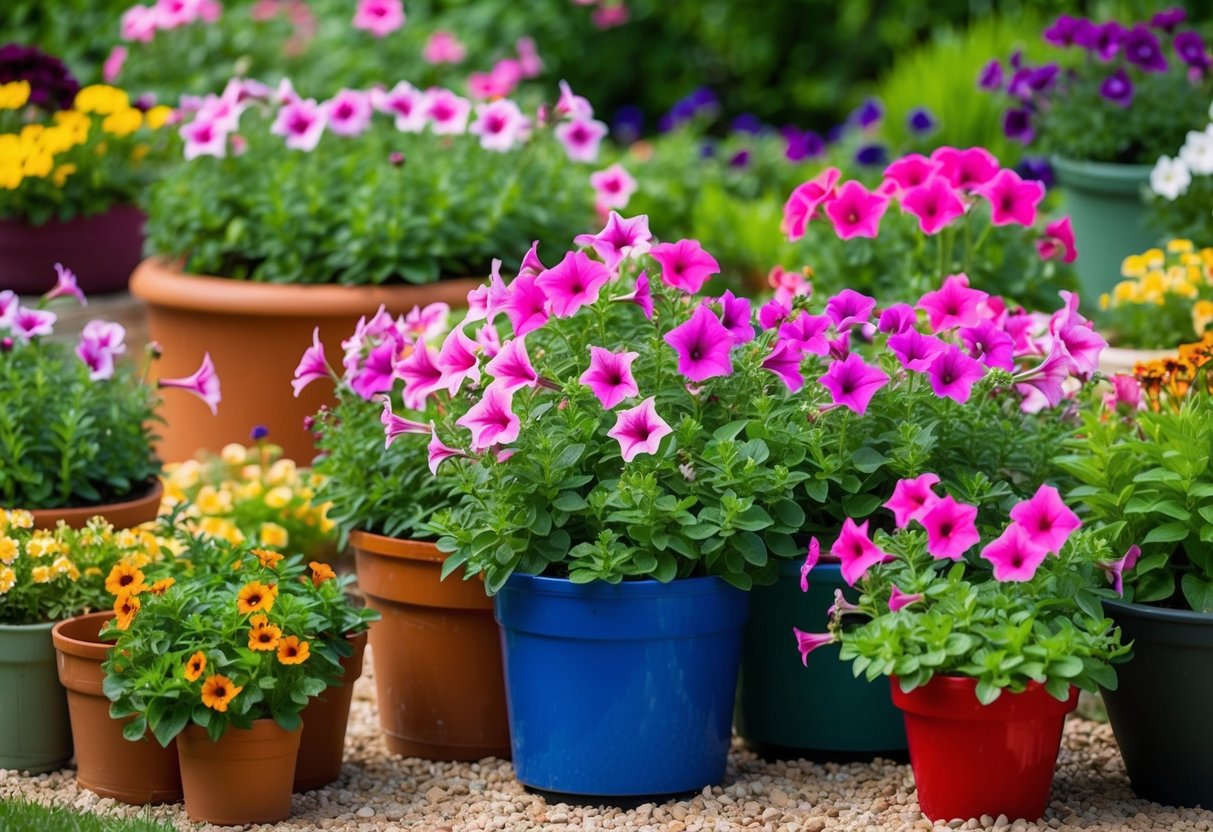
{"x":458,"y":360}
{"x":490,"y":341}
{"x":379,"y":17}
{"x":703,"y":346}
{"x":911,"y":170}
{"x":1048,"y":521}
{"x":916,"y":351}
{"x":619,"y":239}
{"x":348,"y":113}
{"x":100,"y":342}
{"x":581,"y":138}
{"x":1041,"y":386}
{"x":526,"y":306}
{"x":139,"y":24}
{"x":736,"y":315}
{"x":421,"y":375}
{"x":1013,"y":200}
{"x":856,"y":211}
{"x":639,"y":430}
{"x":443,"y":48}
{"x":807,"y":333}
{"x":641,"y":295}
{"x":610,"y":377}
{"x":529,"y":62}
{"x":839,"y":348}
{"x":203,"y":383}
{"x":301,"y":122}
{"x":953,"y":304}
{"x":1057,"y":242}
{"x":912,"y":498}
{"x":500,"y":125}
{"x":842,"y":606}
{"x":613,"y":187}
{"x":898,"y":318}
{"x":405,"y":103}
{"x":806,"y":643}
{"x":112,"y":68}
{"x":853,"y":382}
{"x":312,"y":366}
{"x":572,"y":283}
{"x":935,"y":203}
{"x":772,"y":314}
{"x":438,"y":452}
{"x":1014,"y":554}
{"x":1116,"y":569}
{"x":1126,"y":390}
{"x":951,"y":528}
{"x":9,"y":304}
{"x":572,"y":106}
{"x":203,"y":138}
{"x":377,"y":373}
{"x":856,"y":551}
{"x":394,"y":426}
{"x":801,"y":206}
{"x":899,"y":600}
{"x":784,"y":361}
{"x":684,"y":264}
{"x":848,"y":308}
{"x":966,"y":169}
{"x":445,"y":112}
{"x":953,"y":374}
{"x":66,"y":286}
{"x":989,"y":345}
{"x":511,"y":367}
{"x":1080,"y":343}
{"x":810,"y":562}
{"x":425,"y":323}
{"x":29,"y":323}
{"x":492,"y":420}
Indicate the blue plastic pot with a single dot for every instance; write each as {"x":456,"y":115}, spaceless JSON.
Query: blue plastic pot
{"x":620,"y":690}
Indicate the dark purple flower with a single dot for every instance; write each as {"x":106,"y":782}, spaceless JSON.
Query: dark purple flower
{"x":1141,"y":47}
{"x":1190,"y":47}
{"x":867,"y":113}
{"x":259,"y":432}
{"x":747,"y":123}
{"x":52,"y":87}
{"x":920,"y":120}
{"x":1041,"y":78}
{"x":835,"y":133}
{"x":702,"y":98}
{"x":1036,"y":168}
{"x":871,"y":155}
{"x":1169,"y":19}
{"x":1063,"y":31}
{"x":1020,"y":85}
{"x":1017,"y":125}
{"x":802,"y":144}
{"x":740,"y":159}
{"x":707,"y":150}
{"x":1104,"y":40}
{"x":991,"y":76}
{"x":1117,"y":88}
{"x":1017,"y":59}
{"x":629,"y":121}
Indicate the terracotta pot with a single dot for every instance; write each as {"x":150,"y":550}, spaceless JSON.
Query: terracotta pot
{"x":243,"y":778}
{"x":256,"y":334}
{"x":102,"y":250}
{"x":124,"y":515}
{"x":107,"y":763}
{"x":437,"y":653}
{"x":34,"y":731}
{"x":1115,"y":360}
{"x":322,"y":745}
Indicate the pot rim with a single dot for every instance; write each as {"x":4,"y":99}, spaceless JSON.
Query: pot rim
{"x":95,"y":650}
{"x":404,"y":548}
{"x":82,"y":514}
{"x":563,"y":587}
{"x":1112,"y":169}
{"x":1153,"y":613}
{"x":28,"y":628}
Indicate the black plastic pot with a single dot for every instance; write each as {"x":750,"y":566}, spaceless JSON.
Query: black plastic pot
{"x":1160,"y":712}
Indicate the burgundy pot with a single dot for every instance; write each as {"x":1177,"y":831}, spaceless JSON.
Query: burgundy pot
{"x":102,"y":250}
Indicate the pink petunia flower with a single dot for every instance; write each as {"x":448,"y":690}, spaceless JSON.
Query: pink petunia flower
{"x":642,"y":295}
{"x":139,"y":24}
{"x":1012,"y":200}
{"x":608,"y":15}
{"x":966,"y":169}
{"x":302,"y":123}
{"x":639,"y":430}
{"x":619,"y":239}
{"x":613,"y":187}
{"x":807,"y":333}
{"x":806,"y":643}
{"x":788,"y":284}
{"x":531,"y":264}
{"x":29,"y":323}
{"x":811,"y":559}
{"x":1041,"y":386}
{"x":437,"y":452}
{"x":1014,"y":554}
{"x":842,"y":606}
{"x":379,"y":17}
{"x":66,"y":285}
{"x":848,"y":308}
{"x":772,"y":314}
{"x":1126,"y":390}
{"x":916,"y":351}
{"x":500,"y":125}
{"x":899,"y":600}
{"x":312,"y":366}
{"x":898,"y":318}
{"x":446,"y":113}
{"x":425,"y":323}
{"x":572,"y":106}
{"x":935,"y":203}
{"x":421,"y":375}
{"x":443,"y":48}
{"x":512,"y":368}
{"x":526,"y":306}
{"x":1116,"y":569}
{"x":856,"y":211}
{"x":801,"y":206}
{"x":736,"y":315}
{"x":490,"y":341}
{"x":990,"y":345}
{"x":953,"y":304}
{"x":581,"y":138}
{"x":203,"y":383}
{"x":100,"y":342}
{"x":912,"y":498}
{"x":492,"y":420}
{"x":610,"y":377}
{"x":348,"y":113}
{"x":911,"y":170}
{"x":405,"y":103}
{"x":203,"y":138}
{"x":377,"y":373}
{"x":395,"y":426}
{"x":856,"y":551}
{"x":112,"y":67}
{"x":1075,"y":335}
{"x":1046,"y":518}
{"x":572,"y":283}
{"x":853,"y":382}
{"x":529,"y":62}
{"x":951,"y":528}
{"x":953,"y":374}
{"x":1058,"y":242}
{"x":784,"y":361}
{"x":458,"y":360}
{"x":685,"y":265}
{"x":703,"y":346}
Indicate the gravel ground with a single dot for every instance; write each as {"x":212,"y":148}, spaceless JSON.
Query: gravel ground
{"x":379,"y":792}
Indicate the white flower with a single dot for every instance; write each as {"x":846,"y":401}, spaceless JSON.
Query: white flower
{"x":1197,"y":152}
{"x":1170,"y":178}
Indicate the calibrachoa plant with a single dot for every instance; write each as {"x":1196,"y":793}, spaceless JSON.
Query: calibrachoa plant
{"x":1017,"y":604}
{"x":1145,"y":476}
{"x":49,"y":575}
{"x":1165,"y":298}
{"x":1128,"y":96}
{"x":957,"y":210}
{"x":370,"y":186}
{"x":63,"y":157}
{"x":248,"y":634}
{"x":1182,"y":187}
{"x":77,"y":424}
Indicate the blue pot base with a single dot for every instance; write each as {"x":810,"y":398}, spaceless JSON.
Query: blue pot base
{"x":611,"y":801}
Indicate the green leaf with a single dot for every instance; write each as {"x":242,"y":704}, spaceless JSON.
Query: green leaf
{"x":1198,"y":591}
{"x":867,"y":459}
{"x":751,"y":546}
{"x":570,"y":501}
{"x":1167,"y":533}
{"x":135,"y":729}
{"x":172,"y":724}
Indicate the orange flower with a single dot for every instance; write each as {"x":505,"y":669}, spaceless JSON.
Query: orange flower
{"x":321,"y":572}
{"x":264,"y":637}
{"x":256,"y":596}
{"x":293,"y":651}
{"x":125,"y":607}
{"x":218,"y":691}
{"x":259,"y":621}
{"x":195,"y":666}
{"x":269,"y":559}
{"x":159,"y":587}
{"x":125,"y":578}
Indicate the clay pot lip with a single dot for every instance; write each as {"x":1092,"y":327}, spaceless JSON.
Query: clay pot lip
{"x":71,"y":644}
{"x":261,"y":730}
{"x":77,"y":516}
{"x":161,"y":282}
{"x":397,"y":547}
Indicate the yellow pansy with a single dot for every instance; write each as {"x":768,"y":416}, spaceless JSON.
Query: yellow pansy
{"x":14,"y":95}
{"x":122,"y":122}
{"x":102,"y":99}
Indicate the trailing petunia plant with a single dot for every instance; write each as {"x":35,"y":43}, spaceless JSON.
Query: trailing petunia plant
{"x":1165,"y":299}
{"x":246,"y":634}
{"x":77,"y":424}
{"x":1016,"y":604}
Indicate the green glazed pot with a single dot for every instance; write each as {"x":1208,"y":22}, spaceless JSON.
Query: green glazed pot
{"x":819,"y":712}
{"x":1108,"y":213}
{"x":35,"y":735}
{"x":1160,"y":710}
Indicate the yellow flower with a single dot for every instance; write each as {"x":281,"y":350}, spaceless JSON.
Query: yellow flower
{"x":1202,"y":316}
{"x":19,"y":518}
{"x":157,"y":116}
{"x":255,"y":596}
{"x":11,"y":176}
{"x":61,"y":173}
{"x":1133,"y":266}
{"x":102,"y":99}
{"x":293,"y":651}
{"x":278,"y":497}
{"x":211,"y":500}
{"x":41,"y":574}
{"x":233,"y":453}
{"x":93,"y":572}
{"x":125,"y":607}
{"x":126,"y":539}
{"x":1154,"y":258}
{"x":281,"y":471}
{"x":268,"y":559}
{"x":221,"y":528}
{"x":194,"y":666}
{"x":1105,"y":301}
{"x":218,"y":691}
{"x":125,"y":578}
{"x":122,"y":122}
{"x":8,"y":579}
{"x":9,"y":549}
{"x":1180,"y":246}
{"x":14,"y":95}
{"x":271,"y":534}
{"x":64,"y":566}
{"x":251,"y":472}
{"x":38,"y":165}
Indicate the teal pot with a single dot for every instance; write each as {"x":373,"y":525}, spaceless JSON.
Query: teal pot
{"x":819,"y":711}
{"x":1106,"y":207}
{"x":1160,"y":710}
{"x":35,"y":734}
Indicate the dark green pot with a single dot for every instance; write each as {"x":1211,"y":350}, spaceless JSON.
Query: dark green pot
{"x":819,"y":712}
{"x":1109,"y":218}
{"x":35,"y":735}
{"x":1160,"y":710}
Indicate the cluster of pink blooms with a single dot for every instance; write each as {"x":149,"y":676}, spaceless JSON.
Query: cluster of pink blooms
{"x":140,"y":23}
{"x":613,"y":189}
{"x":936,"y":191}
{"x":499,"y":124}
{"x":379,"y":17}
{"x":506,"y":74}
{"x":607,"y":14}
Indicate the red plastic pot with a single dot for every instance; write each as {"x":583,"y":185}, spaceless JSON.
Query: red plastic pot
{"x":102,"y":250}
{"x":971,"y":759}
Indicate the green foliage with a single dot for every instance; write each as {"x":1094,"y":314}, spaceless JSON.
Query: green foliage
{"x":22,"y":815}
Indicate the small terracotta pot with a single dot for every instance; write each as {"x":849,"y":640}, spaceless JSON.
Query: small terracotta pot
{"x":256,"y":334}
{"x":107,"y":763}
{"x":102,"y":250}
{"x":437,"y":653}
{"x":124,"y":515}
{"x":243,"y":778}
{"x":322,"y":746}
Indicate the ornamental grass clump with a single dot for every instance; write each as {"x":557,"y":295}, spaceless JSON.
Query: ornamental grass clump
{"x":246,"y":634}
{"x":77,"y":424}
{"x":1006,"y":604}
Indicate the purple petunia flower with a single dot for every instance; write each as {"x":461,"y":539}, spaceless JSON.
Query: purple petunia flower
{"x":747,"y":123}
{"x":920,"y":121}
{"x":1190,"y":47}
{"x":1103,"y":40}
{"x":991,"y":76}
{"x":1063,"y":31}
{"x":1036,"y":168}
{"x":1017,"y":125}
{"x":1141,"y":48}
{"x":740,"y":159}
{"x":802,"y":144}
{"x":1118,"y":88}
{"x":867,"y":113}
{"x":1169,"y":19}
{"x":870,"y":155}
